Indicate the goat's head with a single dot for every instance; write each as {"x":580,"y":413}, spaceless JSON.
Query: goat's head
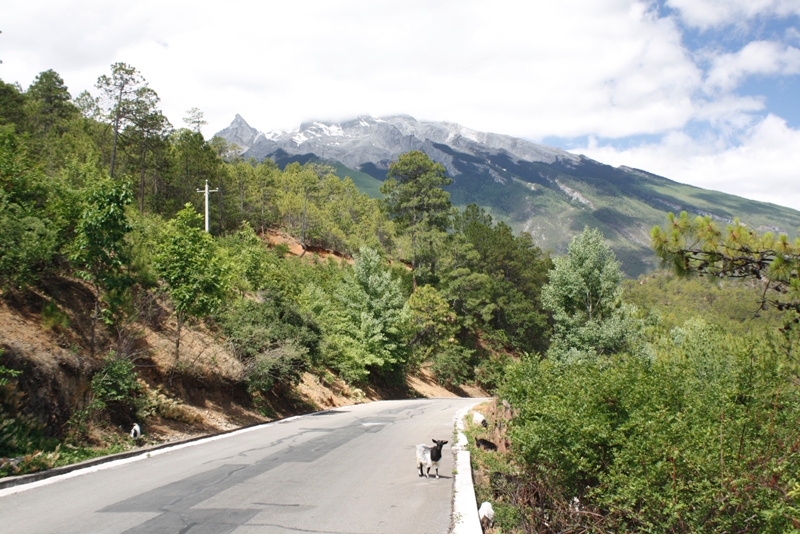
{"x":439,"y":443}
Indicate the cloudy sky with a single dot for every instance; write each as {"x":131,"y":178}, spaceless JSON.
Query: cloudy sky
{"x":704,"y":92}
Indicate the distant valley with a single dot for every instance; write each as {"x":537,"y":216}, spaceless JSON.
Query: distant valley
{"x":546,"y":191}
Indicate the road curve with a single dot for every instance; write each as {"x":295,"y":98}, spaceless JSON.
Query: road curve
{"x":344,"y":471}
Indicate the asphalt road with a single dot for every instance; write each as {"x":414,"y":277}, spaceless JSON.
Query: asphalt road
{"x":349,"y":470}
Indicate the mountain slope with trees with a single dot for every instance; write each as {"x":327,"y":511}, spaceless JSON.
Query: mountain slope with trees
{"x":626,"y":407}
{"x":550,"y":193}
{"x":104,"y":249}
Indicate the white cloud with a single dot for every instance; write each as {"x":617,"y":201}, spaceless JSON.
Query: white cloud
{"x":705,"y":14}
{"x":607,"y":68}
{"x":562,"y":68}
{"x":764,"y":165}
{"x":757,"y":57}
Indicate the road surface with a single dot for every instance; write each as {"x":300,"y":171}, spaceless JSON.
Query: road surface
{"x":345,"y":471}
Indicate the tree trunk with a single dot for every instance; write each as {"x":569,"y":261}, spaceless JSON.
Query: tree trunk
{"x":141,"y":181}
{"x":95,"y":315}
{"x":413,"y":260}
{"x":179,"y":317}
{"x":303,"y":227}
{"x":116,"y":134}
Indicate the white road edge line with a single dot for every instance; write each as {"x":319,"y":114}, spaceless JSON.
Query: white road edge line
{"x":465,"y":507}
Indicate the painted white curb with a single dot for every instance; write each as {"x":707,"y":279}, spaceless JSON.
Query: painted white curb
{"x":465,"y":507}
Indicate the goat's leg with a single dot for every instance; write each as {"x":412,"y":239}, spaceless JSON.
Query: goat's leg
{"x":429,"y":472}
{"x":420,"y":469}
{"x":437,"y":471}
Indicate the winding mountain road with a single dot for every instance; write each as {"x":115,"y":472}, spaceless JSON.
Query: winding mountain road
{"x":344,"y":471}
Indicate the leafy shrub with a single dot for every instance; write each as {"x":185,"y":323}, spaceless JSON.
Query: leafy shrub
{"x":115,"y":388}
{"x":274,"y":341}
{"x":491,"y":372}
{"x":705,"y":437}
{"x":452,"y":366}
{"x":282,"y":364}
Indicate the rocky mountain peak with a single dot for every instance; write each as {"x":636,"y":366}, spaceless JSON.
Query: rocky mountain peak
{"x":239,"y":133}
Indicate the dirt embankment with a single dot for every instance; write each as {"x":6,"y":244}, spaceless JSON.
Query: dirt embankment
{"x":47,"y":336}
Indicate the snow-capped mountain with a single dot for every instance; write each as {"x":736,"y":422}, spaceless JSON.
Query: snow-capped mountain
{"x":548,"y":192}
{"x":379,"y":141}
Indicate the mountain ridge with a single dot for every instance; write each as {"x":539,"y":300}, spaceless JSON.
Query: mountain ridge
{"x":545,"y":191}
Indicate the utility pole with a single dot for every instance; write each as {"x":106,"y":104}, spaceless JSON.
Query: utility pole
{"x":205,"y":193}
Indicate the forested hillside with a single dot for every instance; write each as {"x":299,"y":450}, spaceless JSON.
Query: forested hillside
{"x":545,"y":191}
{"x":665,"y":404}
{"x":103,"y":246}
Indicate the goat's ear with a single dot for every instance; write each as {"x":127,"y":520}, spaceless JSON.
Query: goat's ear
{"x":434,"y":441}
{"x":444,"y":442}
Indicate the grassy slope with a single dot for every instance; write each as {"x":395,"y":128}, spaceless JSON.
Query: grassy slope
{"x":364,"y":182}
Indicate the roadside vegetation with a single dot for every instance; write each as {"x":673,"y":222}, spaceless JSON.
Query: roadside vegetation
{"x":664,"y":404}
{"x":103,"y":246}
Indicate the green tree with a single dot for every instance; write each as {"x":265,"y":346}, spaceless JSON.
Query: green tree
{"x":187,"y":262}
{"x":121,"y":97}
{"x":12,"y":105}
{"x":194,"y":120}
{"x":190,"y":161}
{"x":29,"y":237}
{"x":51,"y":103}
{"x":364,"y":320}
{"x":498,"y":279}
{"x":583,"y":294}
{"x":272,"y":339}
{"x":148,"y":136}
{"x":432,"y":321}
{"x":99,"y":251}
{"x":690,"y":440}
{"x":416,"y":201}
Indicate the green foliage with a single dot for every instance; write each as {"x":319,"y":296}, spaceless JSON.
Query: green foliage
{"x":53,"y":317}
{"x":417,"y":203}
{"x":274,"y":341}
{"x":27,"y":244}
{"x":493,"y":280}
{"x":115,"y":387}
{"x":433,"y":323}
{"x":701,"y":438}
{"x":699,"y":246}
{"x":99,"y":250}
{"x":29,"y":238}
{"x":281,"y":365}
{"x":100,"y":236}
{"x":672,"y":300}
{"x":364,"y":321}
{"x":253,"y":266}
{"x":491,"y":372}
{"x":145,"y":235}
{"x":452,"y":365}
{"x":583,"y":294}
{"x":49,"y":104}
{"x":20,"y":431}
{"x":186,"y":260}
{"x":12,"y":105}
{"x":126,"y":101}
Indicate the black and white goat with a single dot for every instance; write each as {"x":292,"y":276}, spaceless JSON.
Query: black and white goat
{"x":429,"y":457}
